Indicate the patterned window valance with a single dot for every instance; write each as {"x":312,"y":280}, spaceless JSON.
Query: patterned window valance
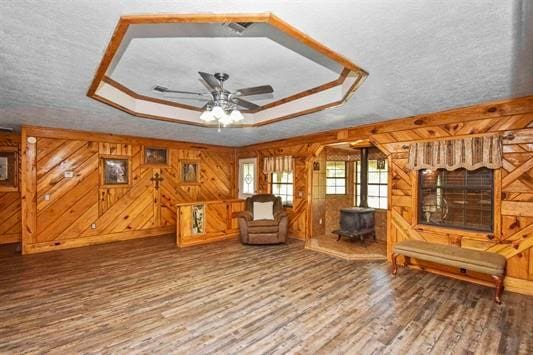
{"x":470,"y":153}
{"x":354,"y":155}
{"x":278,"y":164}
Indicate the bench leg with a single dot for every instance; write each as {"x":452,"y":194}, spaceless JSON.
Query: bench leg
{"x":499,"y":288}
{"x":407,"y":261}
{"x":362,"y":239}
{"x":338,"y":237}
{"x":394,"y":264}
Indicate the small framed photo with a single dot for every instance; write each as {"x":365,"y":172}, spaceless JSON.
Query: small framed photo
{"x":198,"y":213}
{"x":155,"y":156}
{"x":115,"y":171}
{"x":8,"y":169}
{"x":190,"y":172}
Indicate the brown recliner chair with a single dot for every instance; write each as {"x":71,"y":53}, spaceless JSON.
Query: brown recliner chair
{"x":263,"y":231}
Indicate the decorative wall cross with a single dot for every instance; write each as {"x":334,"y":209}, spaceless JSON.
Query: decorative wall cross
{"x":157,"y":178}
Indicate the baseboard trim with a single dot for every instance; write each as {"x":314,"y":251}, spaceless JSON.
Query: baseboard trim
{"x":98,"y":239}
{"x":191,"y":243}
{"x":10,"y":238}
{"x":524,"y":287}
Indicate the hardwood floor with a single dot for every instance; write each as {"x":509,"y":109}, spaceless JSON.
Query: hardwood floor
{"x":148,"y":296}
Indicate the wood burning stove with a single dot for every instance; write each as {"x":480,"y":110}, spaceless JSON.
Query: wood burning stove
{"x":356,"y":222}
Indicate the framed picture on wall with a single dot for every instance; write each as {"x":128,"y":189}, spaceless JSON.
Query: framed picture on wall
{"x":189,"y":172}
{"x":198,"y":215}
{"x":8,"y":169}
{"x":115,"y":171}
{"x":156,"y":157}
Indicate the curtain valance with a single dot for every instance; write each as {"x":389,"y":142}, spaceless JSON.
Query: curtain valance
{"x":470,"y":153}
{"x":278,"y":164}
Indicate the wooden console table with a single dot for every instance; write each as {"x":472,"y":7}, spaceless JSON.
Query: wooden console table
{"x":207,"y":221}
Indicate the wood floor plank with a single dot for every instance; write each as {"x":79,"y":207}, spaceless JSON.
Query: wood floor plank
{"x":147,"y":296}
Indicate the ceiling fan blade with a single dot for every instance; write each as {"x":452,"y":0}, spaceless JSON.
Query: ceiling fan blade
{"x":162,"y":89}
{"x":256,"y":90}
{"x":246,"y":104}
{"x":210,"y":80}
{"x":178,"y":98}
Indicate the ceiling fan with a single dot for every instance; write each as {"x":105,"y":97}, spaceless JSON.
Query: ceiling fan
{"x":222,"y":105}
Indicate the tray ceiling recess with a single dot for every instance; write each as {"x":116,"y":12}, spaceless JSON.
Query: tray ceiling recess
{"x":254,"y":49}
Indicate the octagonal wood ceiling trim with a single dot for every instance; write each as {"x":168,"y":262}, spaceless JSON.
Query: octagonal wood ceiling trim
{"x":334,"y":93}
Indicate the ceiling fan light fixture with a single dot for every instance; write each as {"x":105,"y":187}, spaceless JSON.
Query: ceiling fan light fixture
{"x":218,"y":112}
{"x":225,"y":120}
{"x":236,"y":116}
{"x":224,"y":105}
{"x":207,"y":116}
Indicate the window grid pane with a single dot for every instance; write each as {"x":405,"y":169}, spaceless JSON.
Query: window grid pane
{"x":377,"y":184}
{"x":248,"y":178}
{"x":335,"y":178}
{"x":459,"y":198}
{"x":282,"y":186}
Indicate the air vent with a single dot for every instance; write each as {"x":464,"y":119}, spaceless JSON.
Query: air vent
{"x":239,"y":27}
{"x":6,"y":130}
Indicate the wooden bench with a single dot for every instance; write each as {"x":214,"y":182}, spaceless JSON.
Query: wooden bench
{"x":465,"y":259}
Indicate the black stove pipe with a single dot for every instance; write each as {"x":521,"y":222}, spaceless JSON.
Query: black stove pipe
{"x":364,"y":178}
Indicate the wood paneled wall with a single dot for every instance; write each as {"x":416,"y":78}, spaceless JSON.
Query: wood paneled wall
{"x":304,"y":154}
{"x":513,"y":235}
{"x":10,"y":216}
{"x":220,"y":222}
{"x":513,"y":199}
{"x":130,"y":212}
{"x":61,"y":212}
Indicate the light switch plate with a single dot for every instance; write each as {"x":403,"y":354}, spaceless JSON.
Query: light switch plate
{"x":47,"y":197}
{"x":93,"y":226}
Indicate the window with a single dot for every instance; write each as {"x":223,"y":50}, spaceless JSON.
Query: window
{"x":247,"y":177}
{"x":458,"y":198}
{"x":282,"y":186}
{"x":377,"y":184}
{"x":335,"y":178}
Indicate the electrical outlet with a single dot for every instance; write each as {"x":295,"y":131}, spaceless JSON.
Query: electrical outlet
{"x":93,"y":226}
{"x":320,"y":221}
{"x":47,"y":197}
{"x":69,"y":174}
{"x":300,"y":194}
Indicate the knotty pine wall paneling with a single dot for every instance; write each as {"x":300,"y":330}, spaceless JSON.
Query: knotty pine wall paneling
{"x":513,"y":224}
{"x":10,"y":215}
{"x":513,"y":199}
{"x":304,"y":156}
{"x":64,"y":212}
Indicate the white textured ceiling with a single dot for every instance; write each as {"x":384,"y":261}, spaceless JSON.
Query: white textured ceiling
{"x":175,"y":62}
{"x":422,"y":56}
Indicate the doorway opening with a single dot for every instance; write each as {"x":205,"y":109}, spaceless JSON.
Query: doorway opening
{"x":350,"y":198}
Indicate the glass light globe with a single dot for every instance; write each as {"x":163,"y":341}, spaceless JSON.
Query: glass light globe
{"x":207,"y":116}
{"x":236,"y":116}
{"x":218,"y":112}
{"x":225,"y":120}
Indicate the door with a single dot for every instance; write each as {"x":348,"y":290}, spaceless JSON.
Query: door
{"x":247,"y":177}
